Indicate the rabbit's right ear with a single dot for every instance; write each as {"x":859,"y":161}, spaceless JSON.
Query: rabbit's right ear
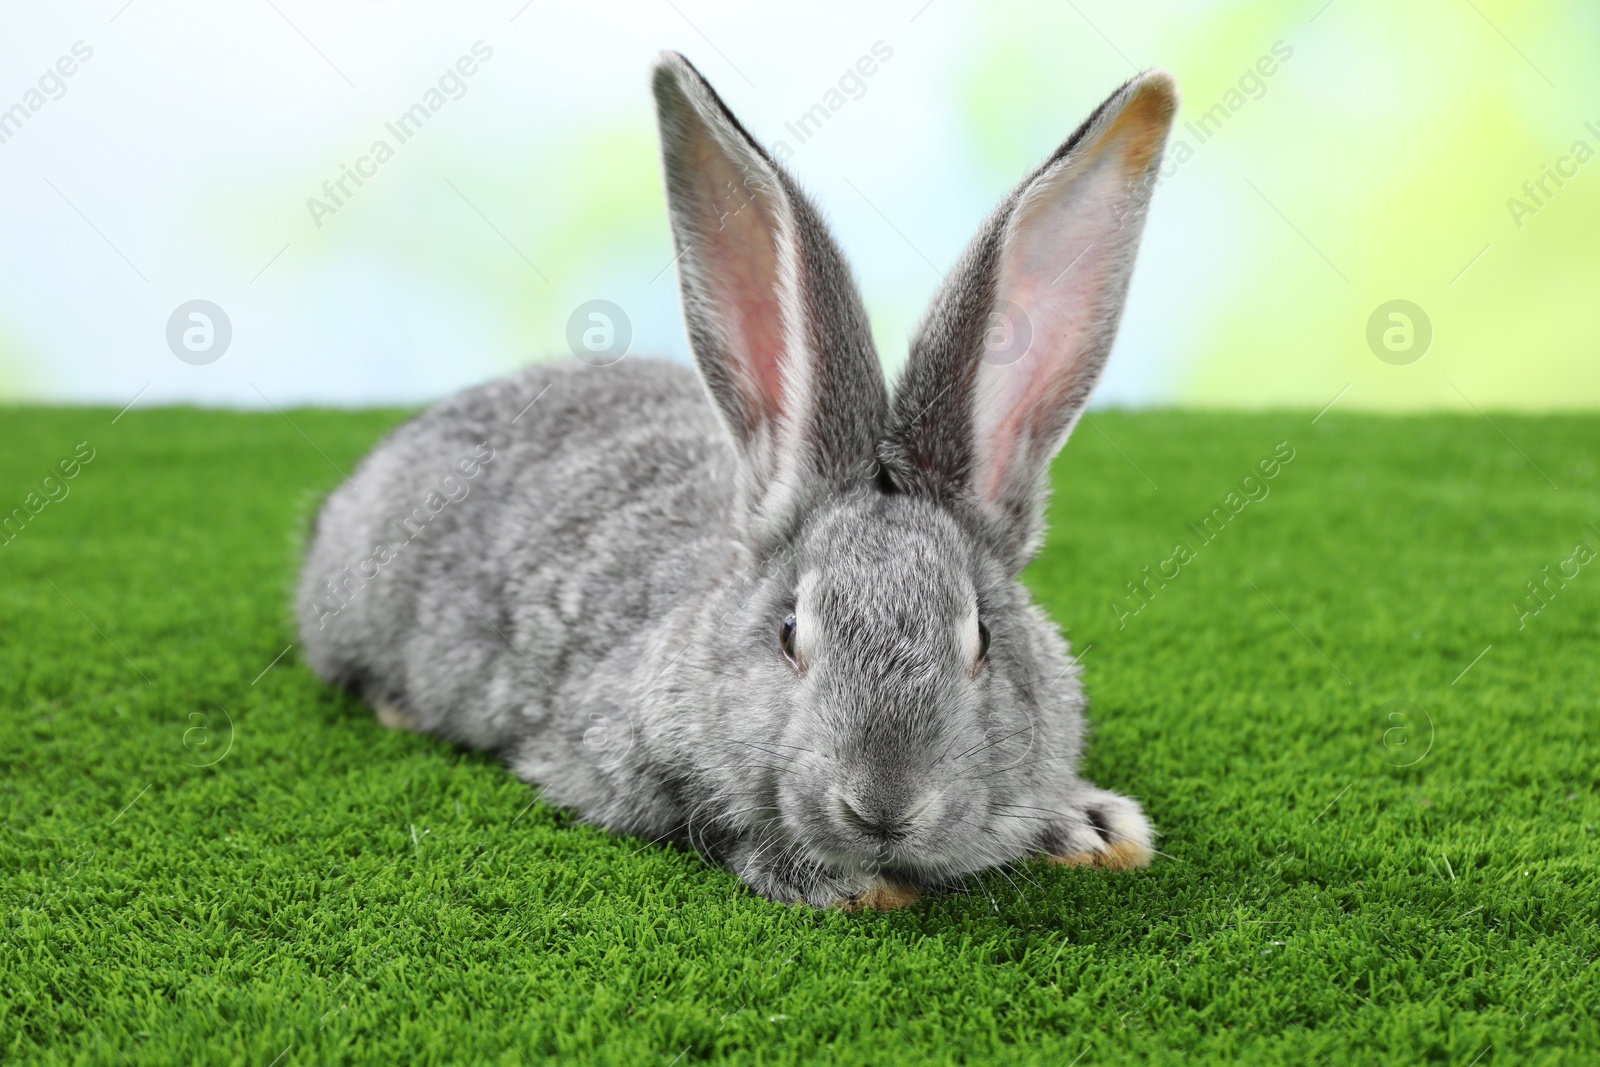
{"x":776,"y":324}
{"x":1002,"y":366}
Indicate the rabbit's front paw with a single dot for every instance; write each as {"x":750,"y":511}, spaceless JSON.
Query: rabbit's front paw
{"x":880,"y":896}
{"x":786,"y":879}
{"x":396,"y":718}
{"x":1113,"y":834}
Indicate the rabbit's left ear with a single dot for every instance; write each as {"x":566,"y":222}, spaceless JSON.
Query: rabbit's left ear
{"x":1003,"y":364}
{"x":775,"y":321}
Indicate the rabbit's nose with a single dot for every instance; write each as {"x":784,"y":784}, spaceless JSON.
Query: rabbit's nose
{"x":874,"y":820}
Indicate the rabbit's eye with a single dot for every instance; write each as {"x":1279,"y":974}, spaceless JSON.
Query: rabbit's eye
{"x":983,"y":641}
{"x":786,"y":639}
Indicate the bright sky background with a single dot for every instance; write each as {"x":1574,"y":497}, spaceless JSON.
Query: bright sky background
{"x":1378,"y":162}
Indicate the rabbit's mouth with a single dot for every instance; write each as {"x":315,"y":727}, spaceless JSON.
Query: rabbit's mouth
{"x":919,"y":857}
{"x":888,"y":862}
{"x":923,"y":867}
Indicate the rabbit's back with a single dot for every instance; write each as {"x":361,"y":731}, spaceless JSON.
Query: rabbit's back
{"x":496,"y":553}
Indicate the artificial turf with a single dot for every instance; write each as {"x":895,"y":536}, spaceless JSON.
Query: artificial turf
{"x":1380,"y":840}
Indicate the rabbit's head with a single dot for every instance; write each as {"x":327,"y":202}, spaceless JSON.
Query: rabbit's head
{"x":898,"y":699}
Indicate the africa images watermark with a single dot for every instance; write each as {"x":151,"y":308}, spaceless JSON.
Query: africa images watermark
{"x":1251,"y":85}
{"x":599,"y":332}
{"x":52,"y":85}
{"x":54,"y":488}
{"x":1538,"y":192}
{"x":336,"y":192}
{"x":340,"y":591}
{"x":1399,"y":332}
{"x":1142,"y":591}
{"x":199,"y":332}
{"x":1543,"y":587}
{"x":851,"y":85}
{"x":1399,"y":725}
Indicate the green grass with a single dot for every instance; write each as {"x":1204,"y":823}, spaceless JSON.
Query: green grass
{"x":329,"y":891}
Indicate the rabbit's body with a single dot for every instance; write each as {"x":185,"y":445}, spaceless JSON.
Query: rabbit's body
{"x":767,"y":611}
{"x":533,"y":601}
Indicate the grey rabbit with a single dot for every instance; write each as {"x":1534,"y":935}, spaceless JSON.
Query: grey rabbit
{"x":768,"y":611}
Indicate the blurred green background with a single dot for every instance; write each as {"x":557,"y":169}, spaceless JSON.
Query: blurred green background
{"x":1331,"y":157}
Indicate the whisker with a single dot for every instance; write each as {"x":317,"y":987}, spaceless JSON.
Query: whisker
{"x":1014,"y":887}
{"x":986,"y":744}
{"x":759,"y":748}
{"x":1051,"y":815}
{"x":658,"y":840}
{"x":1019,"y":766}
{"x":1022,"y":874}
{"x":797,"y":748}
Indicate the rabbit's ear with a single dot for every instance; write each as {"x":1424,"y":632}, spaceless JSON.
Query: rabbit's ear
{"x":1002,"y":365}
{"x":774,"y":318}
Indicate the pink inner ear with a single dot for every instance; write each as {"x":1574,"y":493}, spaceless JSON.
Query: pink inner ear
{"x":740,"y":260}
{"x":1065,"y":245}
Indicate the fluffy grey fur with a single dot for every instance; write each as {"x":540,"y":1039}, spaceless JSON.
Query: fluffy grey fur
{"x":594,"y":586}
